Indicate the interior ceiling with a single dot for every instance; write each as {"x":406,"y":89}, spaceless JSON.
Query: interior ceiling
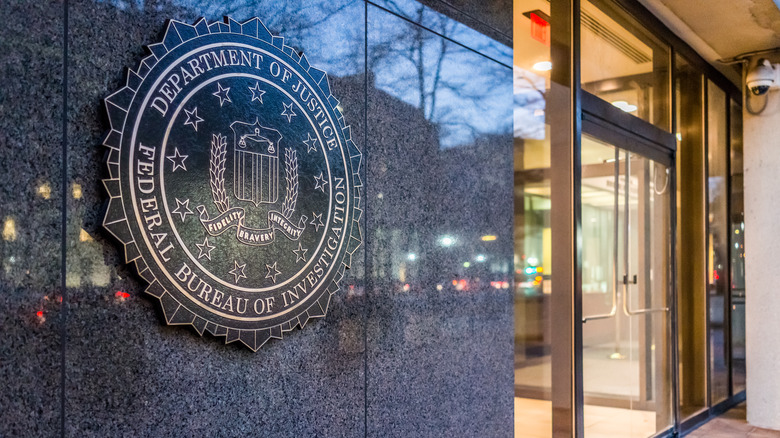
{"x":728,"y":27}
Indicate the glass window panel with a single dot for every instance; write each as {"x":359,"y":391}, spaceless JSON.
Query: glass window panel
{"x":623,"y":64}
{"x":717,"y":240}
{"x":737,"y":250}
{"x":625,"y":273}
{"x":532,"y":234}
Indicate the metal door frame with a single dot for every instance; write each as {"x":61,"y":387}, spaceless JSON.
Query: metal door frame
{"x":627,"y":134}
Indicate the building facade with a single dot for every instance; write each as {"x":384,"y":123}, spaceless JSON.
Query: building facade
{"x":553,"y":222}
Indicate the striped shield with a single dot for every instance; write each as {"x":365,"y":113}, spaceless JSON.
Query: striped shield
{"x":255,"y":162}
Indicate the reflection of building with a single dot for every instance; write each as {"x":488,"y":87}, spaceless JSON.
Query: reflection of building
{"x":421,"y":187}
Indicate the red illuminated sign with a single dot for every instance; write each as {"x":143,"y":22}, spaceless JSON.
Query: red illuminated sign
{"x":540,"y":29}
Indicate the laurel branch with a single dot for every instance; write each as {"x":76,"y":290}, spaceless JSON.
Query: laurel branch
{"x":217,"y":172}
{"x":291,"y":174}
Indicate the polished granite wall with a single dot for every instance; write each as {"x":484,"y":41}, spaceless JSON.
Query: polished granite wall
{"x":31,"y":213}
{"x":418,"y":343}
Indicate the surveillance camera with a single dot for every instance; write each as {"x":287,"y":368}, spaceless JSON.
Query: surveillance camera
{"x":763,"y":77}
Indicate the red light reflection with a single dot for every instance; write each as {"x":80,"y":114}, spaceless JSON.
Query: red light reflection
{"x":121,"y":296}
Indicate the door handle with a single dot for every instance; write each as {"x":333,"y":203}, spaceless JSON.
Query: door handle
{"x":626,"y":305}
{"x":626,"y":297}
{"x":634,"y":279}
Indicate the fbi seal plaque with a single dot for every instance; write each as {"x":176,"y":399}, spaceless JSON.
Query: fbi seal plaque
{"x":234,"y":181}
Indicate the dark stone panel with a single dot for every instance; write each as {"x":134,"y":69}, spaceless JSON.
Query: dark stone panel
{"x":494,"y":15}
{"x":31,"y":68}
{"x":128,"y":373}
{"x":439,"y":179}
{"x":473,"y":24}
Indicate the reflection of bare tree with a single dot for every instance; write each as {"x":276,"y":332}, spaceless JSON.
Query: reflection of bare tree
{"x":529,"y":81}
{"x":302,"y":23}
{"x":413,"y":44}
{"x":424,"y":67}
{"x":289,"y":18}
{"x":529,"y":104}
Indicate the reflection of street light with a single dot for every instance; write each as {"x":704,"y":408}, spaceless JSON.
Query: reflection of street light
{"x":121,"y":296}
{"x":447,"y":241}
{"x":76,"y":191}
{"x":84,"y":236}
{"x":411,"y":257}
{"x":9,"y":229}
{"x":481,"y":258}
{"x":44,"y":190}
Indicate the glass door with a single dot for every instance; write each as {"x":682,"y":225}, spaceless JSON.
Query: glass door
{"x":626,"y":280}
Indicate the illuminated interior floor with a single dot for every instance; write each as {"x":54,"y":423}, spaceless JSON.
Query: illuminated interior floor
{"x":533,"y":419}
{"x":602,"y":374}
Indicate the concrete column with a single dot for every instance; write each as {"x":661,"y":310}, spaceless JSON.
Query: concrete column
{"x":762,"y":260}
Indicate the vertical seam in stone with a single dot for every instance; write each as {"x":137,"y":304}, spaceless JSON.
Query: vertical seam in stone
{"x":64,"y":215}
{"x":365,"y":219}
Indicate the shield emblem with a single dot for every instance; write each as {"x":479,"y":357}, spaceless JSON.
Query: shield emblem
{"x":255,"y":162}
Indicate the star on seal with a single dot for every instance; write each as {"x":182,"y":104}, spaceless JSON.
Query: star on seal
{"x":177,"y":159}
{"x":311,"y":143}
{"x":192,"y":118}
{"x":316,"y":221}
{"x":182,"y":208}
{"x":272,"y":272}
{"x":319,"y":183}
{"x":288,"y":111}
{"x":300,"y":253}
{"x":257,"y":93}
{"x":205,"y":249}
{"x":222,"y":94}
{"x":238,"y":271}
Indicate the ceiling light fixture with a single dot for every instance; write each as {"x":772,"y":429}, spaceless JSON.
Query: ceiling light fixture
{"x":542,"y":66}
{"x":625,"y":106}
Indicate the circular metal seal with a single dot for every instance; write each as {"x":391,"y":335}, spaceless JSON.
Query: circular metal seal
{"x":233,"y":181}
